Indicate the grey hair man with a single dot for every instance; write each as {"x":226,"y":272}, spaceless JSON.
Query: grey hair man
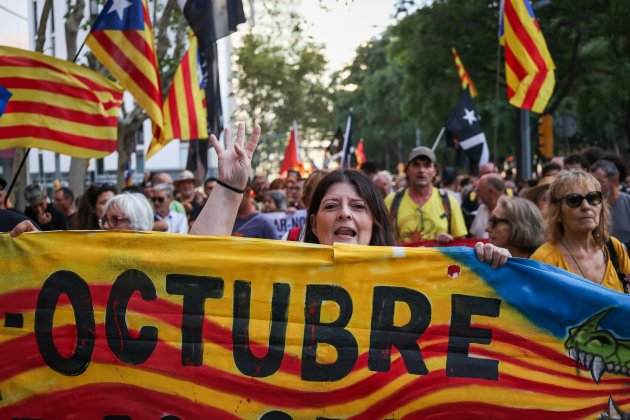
{"x":490,"y":188}
{"x":607,"y":174}
{"x":162,"y":198}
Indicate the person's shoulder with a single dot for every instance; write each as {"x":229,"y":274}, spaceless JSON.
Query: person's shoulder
{"x":625,"y":198}
{"x":452,"y":197}
{"x":390,"y":198}
{"x":9,"y":218}
{"x":547,"y":252}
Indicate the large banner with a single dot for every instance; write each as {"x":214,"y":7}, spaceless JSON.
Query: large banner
{"x":156,"y":326}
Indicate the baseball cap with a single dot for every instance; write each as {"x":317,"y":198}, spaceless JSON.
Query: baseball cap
{"x":421,"y":151}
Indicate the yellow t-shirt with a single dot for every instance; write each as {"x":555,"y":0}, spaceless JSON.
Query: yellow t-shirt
{"x":550,"y":254}
{"x":417,"y":223}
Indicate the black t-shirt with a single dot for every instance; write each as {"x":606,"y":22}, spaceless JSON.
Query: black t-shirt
{"x":57,"y":222}
{"x":10,"y":218}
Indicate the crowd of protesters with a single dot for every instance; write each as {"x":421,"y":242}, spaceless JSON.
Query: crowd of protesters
{"x":574,"y":213}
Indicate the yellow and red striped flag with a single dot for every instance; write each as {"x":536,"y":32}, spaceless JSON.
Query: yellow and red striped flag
{"x":184,"y":108}
{"x":57,"y":105}
{"x":122,"y":40}
{"x":529,"y":68}
{"x":467,"y":82}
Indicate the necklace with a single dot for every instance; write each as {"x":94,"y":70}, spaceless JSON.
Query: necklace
{"x":573,"y":258}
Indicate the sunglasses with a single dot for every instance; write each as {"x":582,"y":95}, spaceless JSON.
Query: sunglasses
{"x":594,"y":198}
{"x":158,"y":199}
{"x":494,"y":221}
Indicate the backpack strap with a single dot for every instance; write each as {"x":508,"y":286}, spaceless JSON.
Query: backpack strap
{"x":614,"y":259}
{"x":393,"y":211}
{"x":446,"y":203}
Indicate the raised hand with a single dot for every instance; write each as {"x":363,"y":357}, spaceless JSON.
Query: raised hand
{"x":235,"y":160}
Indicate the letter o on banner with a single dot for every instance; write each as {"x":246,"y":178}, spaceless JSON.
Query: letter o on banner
{"x":72,"y":285}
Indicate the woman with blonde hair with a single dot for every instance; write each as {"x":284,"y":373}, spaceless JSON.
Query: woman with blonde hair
{"x":577,"y":233}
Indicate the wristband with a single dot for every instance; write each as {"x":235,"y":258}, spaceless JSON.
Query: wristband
{"x":229,"y":187}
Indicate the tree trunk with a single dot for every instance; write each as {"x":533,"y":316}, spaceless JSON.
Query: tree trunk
{"x":78,"y":166}
{"x":23,"y":177}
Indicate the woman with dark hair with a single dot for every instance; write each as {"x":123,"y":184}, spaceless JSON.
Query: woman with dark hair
{"x":92,"y":205}
{"x":367,"y":222}
{"x":345,"y":206}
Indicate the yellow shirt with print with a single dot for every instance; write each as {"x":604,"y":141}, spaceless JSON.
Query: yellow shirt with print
{"x":417,"y":223}
{"x":551,"y":254}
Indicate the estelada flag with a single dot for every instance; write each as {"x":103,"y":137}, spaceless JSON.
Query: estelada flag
{"x":5,"y":95}
{"x":57,"y":105}
{"x":122,"y":40}
{"x":529,"y":68}
{"x":291,"y":154}
{"x":184,"y":109}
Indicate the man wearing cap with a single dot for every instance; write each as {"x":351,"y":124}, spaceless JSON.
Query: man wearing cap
{"x":186,"y":194}
{"x":40,"y":211}
{"x":421,"y":212}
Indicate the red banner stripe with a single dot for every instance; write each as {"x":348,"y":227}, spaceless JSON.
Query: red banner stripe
{"x":166,"y":360}
{"x":483,"y":411}
{"x":45,"y":133}
{"x":137,"y":75}
{"x":99,"y":400}
{"x":62,"y":113}
{"x":176,"y":128}
{"x":140,"y":44}
{"x":170,"y":313}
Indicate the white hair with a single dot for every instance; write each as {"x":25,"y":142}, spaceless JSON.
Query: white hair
{"x":164,"y":187}
{"x":136,"y":207}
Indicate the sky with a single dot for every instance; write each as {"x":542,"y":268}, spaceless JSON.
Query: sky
{"x":346,"y":25}
{"x":14,"y":28}
{"x":341,"y":26}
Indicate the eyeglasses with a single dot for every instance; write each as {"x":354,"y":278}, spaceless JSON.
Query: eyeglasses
{"x":158,"y":199}
{"x":594,"y":198}
{"x":112,"y":221}
{"x":493,"y":221}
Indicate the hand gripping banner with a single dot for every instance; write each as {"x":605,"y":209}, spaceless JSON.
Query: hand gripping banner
{"x":157,"y":326}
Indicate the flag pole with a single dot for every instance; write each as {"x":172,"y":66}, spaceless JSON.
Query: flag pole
{"x":15,"y":177}
{"x":437,"y":140}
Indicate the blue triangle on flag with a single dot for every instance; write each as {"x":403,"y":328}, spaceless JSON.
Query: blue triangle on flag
{"x":120,"y":15}
{"x":4,"y":99}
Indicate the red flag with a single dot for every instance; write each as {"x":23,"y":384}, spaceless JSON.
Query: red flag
{"x":291,"y":155}
{"x":359,"y":154}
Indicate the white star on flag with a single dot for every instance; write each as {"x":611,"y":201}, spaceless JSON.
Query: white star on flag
{"x":119,"y":7}
{"x":469,"y":115}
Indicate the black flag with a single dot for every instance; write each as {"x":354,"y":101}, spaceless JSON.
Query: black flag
{"x":212,"y":19}
{"x":463,"y":128}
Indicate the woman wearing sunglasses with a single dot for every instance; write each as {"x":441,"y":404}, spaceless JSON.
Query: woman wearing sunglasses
{"x":516,"y":224}
{"x":577,"y":232}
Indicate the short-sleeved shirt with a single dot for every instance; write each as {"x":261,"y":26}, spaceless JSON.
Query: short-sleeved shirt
{"x":550,"y":254}
{"x":620,"y":212}
{"x":255,"y":226}
{"x":424,"y":223}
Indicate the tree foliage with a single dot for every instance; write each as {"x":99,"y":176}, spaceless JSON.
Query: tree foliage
{"x":280,"y":79}
{"x":588,"y":41}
